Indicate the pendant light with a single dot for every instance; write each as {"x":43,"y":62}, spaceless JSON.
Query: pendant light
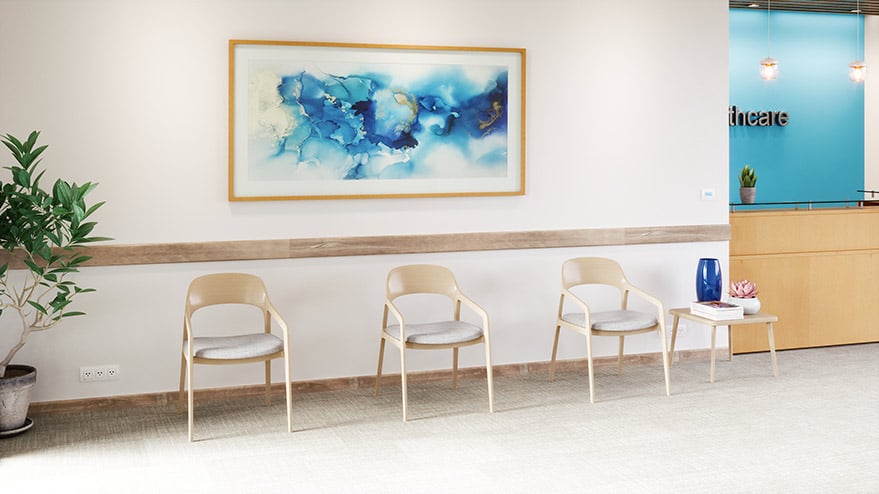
{"x":857,"y":70}
{"x":769,"y":65}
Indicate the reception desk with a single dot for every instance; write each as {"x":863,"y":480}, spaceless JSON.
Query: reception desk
{"x":818,"y":270}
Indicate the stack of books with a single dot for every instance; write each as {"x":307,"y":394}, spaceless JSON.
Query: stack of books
{"x":717,"y":310}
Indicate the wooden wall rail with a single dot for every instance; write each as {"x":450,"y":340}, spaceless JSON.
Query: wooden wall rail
{"x":241,"y":250}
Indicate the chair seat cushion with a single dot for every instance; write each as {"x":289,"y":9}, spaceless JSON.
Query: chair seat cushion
{"x":613,"y":320}
{"x":437,"y":333}
{"x":236,"y":347}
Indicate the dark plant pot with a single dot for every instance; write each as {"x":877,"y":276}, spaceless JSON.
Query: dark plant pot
{"x":748,"y":194}
{"x":15,"y":396}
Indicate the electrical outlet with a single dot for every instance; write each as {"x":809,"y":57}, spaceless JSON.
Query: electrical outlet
{"x":99,"y":373}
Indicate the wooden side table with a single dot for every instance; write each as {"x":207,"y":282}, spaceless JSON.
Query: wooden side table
{"x":758,"y":318}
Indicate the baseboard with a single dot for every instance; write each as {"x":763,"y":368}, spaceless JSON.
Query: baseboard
{"x":342,"y":383}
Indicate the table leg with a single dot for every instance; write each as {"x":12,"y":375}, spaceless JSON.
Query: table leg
{"x":772,"y":349}
{"x":729,"y":341}
{"x":674,"y":336}
{"x":713,"y":339}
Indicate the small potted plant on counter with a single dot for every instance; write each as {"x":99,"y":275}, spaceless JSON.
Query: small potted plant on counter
{"x":747,"y":185}
{"x":744,"y":294}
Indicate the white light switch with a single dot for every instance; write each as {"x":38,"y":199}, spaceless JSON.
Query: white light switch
{"x":707,"y":194}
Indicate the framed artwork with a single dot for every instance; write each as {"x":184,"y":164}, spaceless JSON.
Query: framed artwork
{"x":336,"y":121}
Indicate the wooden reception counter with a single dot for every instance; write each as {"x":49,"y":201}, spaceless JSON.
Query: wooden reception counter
{"x":818,"y":270}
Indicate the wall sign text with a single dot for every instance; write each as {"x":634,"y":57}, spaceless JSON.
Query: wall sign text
{"x":738,"y":118}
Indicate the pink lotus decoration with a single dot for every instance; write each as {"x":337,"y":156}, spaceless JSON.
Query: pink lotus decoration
{"x":743,"y":289}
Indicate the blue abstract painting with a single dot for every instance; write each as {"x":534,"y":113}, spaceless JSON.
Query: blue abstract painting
{"x":337,"y":121}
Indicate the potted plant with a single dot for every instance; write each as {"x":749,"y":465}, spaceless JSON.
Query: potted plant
{"x":744,"y":294}
{"x":41,"y":231}
{"x":747,"y":185}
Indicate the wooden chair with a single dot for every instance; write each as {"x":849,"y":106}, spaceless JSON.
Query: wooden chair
{"x":233,"y":288}
{"x":620,"y":323}
{"x":445,"y":334}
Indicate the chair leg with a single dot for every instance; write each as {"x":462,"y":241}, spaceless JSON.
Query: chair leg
{"x":666,"y":361}
{"x":190,"y":396}
{"x":555,"y":348}
{"x":455,"y":368}
{"x":620,"y":356}
{"x":403,"y":380}
{"x":378,"y":373}
{"x":268,"y":383}
{"x":490,"y":378}
{"x":288,"y":390}
{"x":589,"y":365}
{"x":182,"y":382}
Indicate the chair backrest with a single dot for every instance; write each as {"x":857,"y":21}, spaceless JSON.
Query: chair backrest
{"x":421,"y":278}
{"x":592,"y":270}
{"x":226,"y":288}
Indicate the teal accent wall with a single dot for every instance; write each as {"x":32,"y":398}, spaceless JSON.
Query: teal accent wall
{"x":819,"y":155}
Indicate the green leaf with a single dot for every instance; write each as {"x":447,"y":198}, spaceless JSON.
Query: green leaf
{"x":38,"y":307}
{"x":53,"y":237}
{"x":95,"y":239}
{"x":62,"y":270}
{"x":21,"y":177}
{"x":93,"y":209}
{"x":37,"y":152}
{"x":80,"y":259}
{"x":84,"y":229}
{"x":78,"y":212}
{"x":33,"y":267}
{"x":31,"y":140}
{"x":62,"y":192}
{"x":59,"y":304}
{"x":84,"y":189}
{"x":36,"y":181}
{"x":72,"y":314}
{"x":14,"y":145}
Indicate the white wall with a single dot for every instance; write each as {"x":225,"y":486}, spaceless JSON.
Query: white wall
{"x":626,"y":123}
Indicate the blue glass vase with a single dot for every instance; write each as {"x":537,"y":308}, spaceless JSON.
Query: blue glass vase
{"x":709,"y":281}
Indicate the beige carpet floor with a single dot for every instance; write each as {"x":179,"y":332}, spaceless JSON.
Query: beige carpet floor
{"x":815,"y":428}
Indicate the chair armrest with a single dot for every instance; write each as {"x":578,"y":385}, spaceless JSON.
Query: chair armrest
{"x":475,"y":308}
{"x":187,"y":333}
{"x":576,"y":300}
{"x":278,"y":319}
{"x":649,"y":298}
{"x":389,"y":306}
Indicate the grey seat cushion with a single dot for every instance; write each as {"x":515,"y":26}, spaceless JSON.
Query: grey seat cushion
{"x":235,"y":347}
{"x":437,"y":333}
{"x":614,"y":320}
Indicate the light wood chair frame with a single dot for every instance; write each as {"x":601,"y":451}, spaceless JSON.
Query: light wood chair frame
{"x":600,"y":271}
{"x":214,"y":296}
{"x":426,"y":279}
